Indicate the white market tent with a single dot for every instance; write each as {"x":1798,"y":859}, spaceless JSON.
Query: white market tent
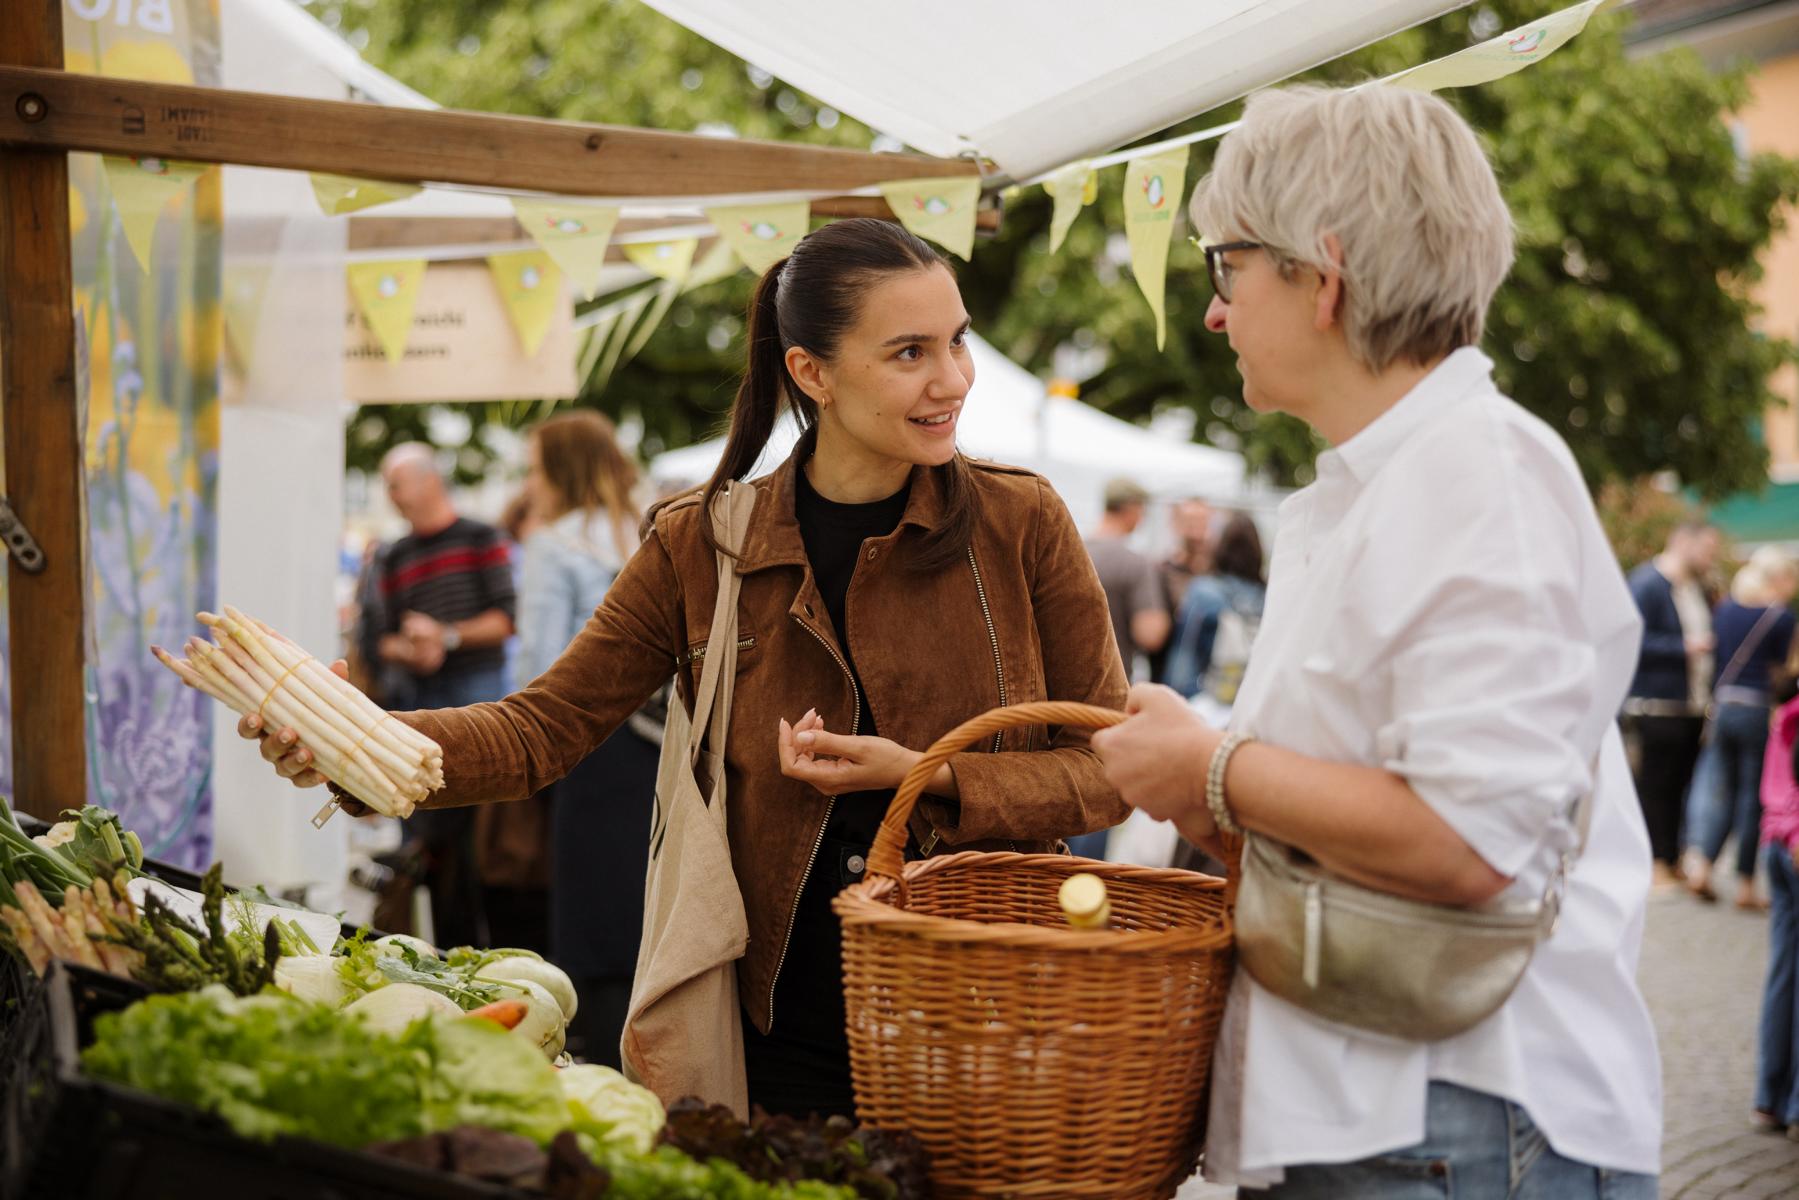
{"x":1034,"y":84}
{"x":1009,"y":417}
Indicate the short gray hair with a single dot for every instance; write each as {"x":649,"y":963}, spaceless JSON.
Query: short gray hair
{"x":412,"y":454}
{"x":1400,"y":180}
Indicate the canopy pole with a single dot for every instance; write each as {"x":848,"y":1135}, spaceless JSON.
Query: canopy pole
{"x":42,"y":444}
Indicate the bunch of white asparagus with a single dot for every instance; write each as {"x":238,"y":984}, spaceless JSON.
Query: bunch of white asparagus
{"x":253,"y":669}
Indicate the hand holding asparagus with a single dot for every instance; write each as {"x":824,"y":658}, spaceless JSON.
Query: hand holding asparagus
{"x":326,"y":730}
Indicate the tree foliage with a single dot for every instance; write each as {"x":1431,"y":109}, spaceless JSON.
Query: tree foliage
{"x":1627,"y":322}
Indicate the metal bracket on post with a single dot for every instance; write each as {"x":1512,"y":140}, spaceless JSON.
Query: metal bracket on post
{"x":18,"y":539}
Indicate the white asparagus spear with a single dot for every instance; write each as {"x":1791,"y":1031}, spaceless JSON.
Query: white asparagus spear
{"x":328,"y":719}
{"x":365,"y":783}
{"x":284,"y":710}
{"x":398,"y":734}
{"x":240,"y":639}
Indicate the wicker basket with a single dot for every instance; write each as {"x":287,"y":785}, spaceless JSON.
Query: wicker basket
{"x":1031,"y":1058}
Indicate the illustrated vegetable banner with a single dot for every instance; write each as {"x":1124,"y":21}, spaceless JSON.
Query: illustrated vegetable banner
{"x":147,"y":247}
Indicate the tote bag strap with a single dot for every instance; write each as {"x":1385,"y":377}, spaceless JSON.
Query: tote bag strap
{"x":1757,"y":634}
{"x":730,"y":521}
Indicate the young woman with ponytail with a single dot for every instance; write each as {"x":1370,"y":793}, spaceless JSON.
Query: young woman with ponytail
{"x":891,"y":589}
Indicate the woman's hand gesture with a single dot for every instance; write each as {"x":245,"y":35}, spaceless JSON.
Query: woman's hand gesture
{"x":837,"y":763}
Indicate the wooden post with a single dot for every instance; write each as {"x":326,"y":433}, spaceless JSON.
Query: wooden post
{"x":43,"y":450}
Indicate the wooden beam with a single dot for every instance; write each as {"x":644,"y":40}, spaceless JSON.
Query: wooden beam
{"x":44,"y":458}
{"x":54,"y":109}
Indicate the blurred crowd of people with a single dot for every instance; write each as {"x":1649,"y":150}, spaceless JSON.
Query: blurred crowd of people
{"x":457,"y":612}
{"x":1712,"y":727}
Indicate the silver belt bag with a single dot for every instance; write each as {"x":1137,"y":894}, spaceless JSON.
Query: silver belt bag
{"x":1401,"y":968}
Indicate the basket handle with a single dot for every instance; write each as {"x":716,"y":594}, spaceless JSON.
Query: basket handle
{"x":887,"y":856}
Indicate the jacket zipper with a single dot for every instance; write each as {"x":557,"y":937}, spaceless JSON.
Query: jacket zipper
{"x":699,"y":652}
{"x":999,"y":666}
{"x":830,"y":806}
{"x":999,"y":669}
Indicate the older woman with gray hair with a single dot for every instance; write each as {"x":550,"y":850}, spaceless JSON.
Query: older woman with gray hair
{"x":1445,"y":867}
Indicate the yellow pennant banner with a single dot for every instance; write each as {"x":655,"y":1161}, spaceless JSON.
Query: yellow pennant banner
{"x":572,"y":233}
{"x":1073,"y":188}
{"x":530,"y":286}
{"x":716,"y":264}
{"x":141,"y":189}
{"x":1152,"y":193}
{"x":942,"y":210}
{"x":665,"y":260}
{"x":1500,"y":56}
{"x":340,"y":194}
{"x":242,"y":291}
{"x":386,"y":293}
{"x":762,"y":234}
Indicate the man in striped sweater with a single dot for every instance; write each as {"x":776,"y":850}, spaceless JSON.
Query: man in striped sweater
{"x":447,"y":606}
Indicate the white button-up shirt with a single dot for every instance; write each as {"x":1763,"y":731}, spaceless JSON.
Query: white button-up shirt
{"x":1443,"y":603}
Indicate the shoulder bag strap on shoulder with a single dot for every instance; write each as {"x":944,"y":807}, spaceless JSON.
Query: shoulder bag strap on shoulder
{"x":730,"y":516}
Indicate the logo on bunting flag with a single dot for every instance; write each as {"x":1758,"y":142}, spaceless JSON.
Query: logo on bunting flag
{"x":1155,"y":192}
{"x":762,"y":234}
{"x":1150,"y":184}
{"x":1502,"y":55}
{"x":528,"y":282}
{"x":141,"y":189}
{"x":1527,"y":43}
{"x":386,"y":294}
{"x":942,"y":210}
{"x":573,"y":234}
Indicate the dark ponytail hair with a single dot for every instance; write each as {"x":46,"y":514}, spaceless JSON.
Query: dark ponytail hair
{"x":811,"y":299}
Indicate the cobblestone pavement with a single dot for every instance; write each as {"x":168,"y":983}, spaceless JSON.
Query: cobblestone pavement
{"x":1702,"y":973}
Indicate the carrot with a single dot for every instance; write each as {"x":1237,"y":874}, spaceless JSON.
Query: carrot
{"x":505,"y":1013}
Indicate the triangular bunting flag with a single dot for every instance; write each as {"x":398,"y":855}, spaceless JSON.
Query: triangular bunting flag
{"x":386,"y":293}
{"x":340,"y":194}
{"x":530,"y":286}
{"x":141,"y":189}
{"x":572,"y":233}
{"x":940,"y":209}
{"x":1500,"y":56}
{"x":1152,"y":193}
{"x":665,"y":260}
{"x":762,"y":234}
{"x":243,"y":288}
{"x":719,"y":262}
{"x":1073,"y":188}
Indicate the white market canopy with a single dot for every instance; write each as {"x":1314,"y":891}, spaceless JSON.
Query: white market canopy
{"x":1009,"y":418}
{"x":1034,"y":84}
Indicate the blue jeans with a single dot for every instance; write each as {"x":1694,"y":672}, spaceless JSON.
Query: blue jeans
{"x":1476,"y":1147}
{"x":1777,"y":1055}
{"x":1727,"y":786}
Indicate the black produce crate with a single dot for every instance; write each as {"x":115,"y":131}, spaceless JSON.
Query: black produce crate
{"x":64,"y":1136}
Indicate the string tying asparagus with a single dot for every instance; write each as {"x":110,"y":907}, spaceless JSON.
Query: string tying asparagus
{"x":252,"y":669}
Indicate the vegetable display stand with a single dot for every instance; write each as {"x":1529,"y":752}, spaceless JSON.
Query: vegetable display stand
{"x":65,"y":1136}
{"x":1032,"y":1059}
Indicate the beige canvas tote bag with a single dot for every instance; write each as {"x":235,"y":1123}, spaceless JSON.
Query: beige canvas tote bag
{"x":683,"y":1035}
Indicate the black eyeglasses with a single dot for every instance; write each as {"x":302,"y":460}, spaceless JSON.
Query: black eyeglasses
{"x":1217,"y":268}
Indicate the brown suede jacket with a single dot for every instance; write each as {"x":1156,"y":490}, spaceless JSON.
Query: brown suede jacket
{"x":1023,"y":618}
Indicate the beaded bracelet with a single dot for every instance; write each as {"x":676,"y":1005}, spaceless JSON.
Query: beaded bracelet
{"x":1221,"y":760}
